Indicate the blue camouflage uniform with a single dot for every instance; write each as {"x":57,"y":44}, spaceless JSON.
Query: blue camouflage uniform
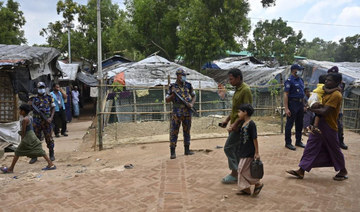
{"x":180,"y":113}
{"x":295,"y":87}
{"x":44,"y":103}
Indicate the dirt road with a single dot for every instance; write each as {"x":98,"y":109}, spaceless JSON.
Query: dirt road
{"x":93,"y":181}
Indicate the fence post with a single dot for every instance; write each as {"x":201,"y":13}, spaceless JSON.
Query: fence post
{"x":200,"y":97}
{"x":281,"y":103}
{"x":135,"y":110}
{"x":164,"y":101}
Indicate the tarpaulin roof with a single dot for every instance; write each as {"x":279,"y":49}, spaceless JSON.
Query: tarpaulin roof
{"x":350,"y":71}
{"x":69,"y":71}
{"x":37,"y":58}
{"x":253,"y":74}
{"x":154,"y":71}
{"x":87,"y":78}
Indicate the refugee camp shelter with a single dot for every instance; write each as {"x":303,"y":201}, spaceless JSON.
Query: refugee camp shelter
{"x":21,"y":67}
{"x":144,"y":87}
{"x":351,"y":77}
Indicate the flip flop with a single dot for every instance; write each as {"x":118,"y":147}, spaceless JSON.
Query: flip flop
{"x":294,"y":173}
{"x":128,"y":166}
{"x":340,"y":177}
{"x":258,"y":189}
{"x":5,"y":170}
{"x":229,"y":179}
{"x":49,"y":168}
{"x":242,"y":192}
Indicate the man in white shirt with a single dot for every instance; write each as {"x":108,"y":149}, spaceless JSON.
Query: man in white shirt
{"x":75,"y":101}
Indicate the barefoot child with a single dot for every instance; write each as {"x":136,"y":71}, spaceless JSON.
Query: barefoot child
{"x":247,"y":152}
{"x":30,"y":145}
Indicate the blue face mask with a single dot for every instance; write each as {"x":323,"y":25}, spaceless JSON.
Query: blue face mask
{"x":183,"y":78}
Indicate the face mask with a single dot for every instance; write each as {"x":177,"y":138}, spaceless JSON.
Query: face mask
{"x":299,"y":73}
{"x":183,"y":78}
{"x":41,"y":91}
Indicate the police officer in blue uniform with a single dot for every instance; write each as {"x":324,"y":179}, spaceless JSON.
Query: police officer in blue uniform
{"x":181,"y":113}
{"x":294,"y":106}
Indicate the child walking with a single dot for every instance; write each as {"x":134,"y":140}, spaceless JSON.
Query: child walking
{"x":30,"y":145}
{"x":247,"y":152}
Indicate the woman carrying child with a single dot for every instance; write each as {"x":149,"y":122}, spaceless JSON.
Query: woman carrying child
{"x":30,"y":145}
{"x":247,"y":152}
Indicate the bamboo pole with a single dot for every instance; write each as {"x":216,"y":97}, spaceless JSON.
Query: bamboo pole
{"x":281,"y":104}
{"x":135,"y":109}
{"x":164,"y":101}
{"x":200,"y":99}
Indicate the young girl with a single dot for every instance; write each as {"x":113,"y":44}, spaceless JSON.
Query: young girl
{"x":247,"y":152}
{"x":30,"y":145}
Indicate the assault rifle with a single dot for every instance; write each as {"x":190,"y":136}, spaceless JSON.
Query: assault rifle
{"x":43,"y":116}
{"x":186,"y":103}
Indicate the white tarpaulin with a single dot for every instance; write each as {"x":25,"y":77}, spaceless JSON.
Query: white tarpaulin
{"x":154,"y":71}
{"x":69,"y":71}
{"x":9,"y":132}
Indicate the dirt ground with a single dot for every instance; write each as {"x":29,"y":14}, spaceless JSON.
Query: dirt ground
{"x":88,"y":180}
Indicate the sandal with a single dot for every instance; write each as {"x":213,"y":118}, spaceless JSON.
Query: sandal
{"x":294,"y":173}
{"x":49,"y":168}
{"x":258,"y":189}
{"x":5,"y":170}
{"x":128,"y":166}
{"x":243,"y":192}
{"x":229,"y":179}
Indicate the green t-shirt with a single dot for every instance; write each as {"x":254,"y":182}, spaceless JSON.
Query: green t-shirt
{"x":241,"y":96}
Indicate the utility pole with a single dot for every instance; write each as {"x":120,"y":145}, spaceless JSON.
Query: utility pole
{"x":69,"y":26}
{"x":100,"y":77}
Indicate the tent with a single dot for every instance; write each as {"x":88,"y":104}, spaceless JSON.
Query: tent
{"x":21,"y":67}
{"x":154,"y":71}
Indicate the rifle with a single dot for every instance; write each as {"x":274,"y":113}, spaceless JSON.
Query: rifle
{"x":43,"y":116}
{"x":186,"y":103}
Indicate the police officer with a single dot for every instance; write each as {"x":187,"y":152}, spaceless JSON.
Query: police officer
{"x":43,"y":113}
{"x":181,"y":113}
{"x":294,"y":106}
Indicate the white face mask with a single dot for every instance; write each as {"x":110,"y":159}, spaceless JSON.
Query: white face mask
{"x":299,"y":73}
{"x":183,"y":78}
{"x":41,"y":91}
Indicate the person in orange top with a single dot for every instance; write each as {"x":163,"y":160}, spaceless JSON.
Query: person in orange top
{"x":323,"y":150}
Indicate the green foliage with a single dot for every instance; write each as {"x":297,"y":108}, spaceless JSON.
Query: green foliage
{"x":12,"y":20}
{"x":318,"y":49}
{"x":274,"y":87}
{"x":117,"y":88}
{"x":349,"y":49}
{"x":208,"y":28}
{"x":275,"y":40}
{"x":84,"y":37}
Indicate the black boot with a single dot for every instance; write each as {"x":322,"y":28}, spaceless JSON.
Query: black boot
{"x":172,"y":153}
{"x":187,"y":150}
{"x":33,"y":160}
{"x":51,"y":154}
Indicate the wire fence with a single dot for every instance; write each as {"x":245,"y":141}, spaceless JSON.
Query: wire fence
{"x":132,"y":113}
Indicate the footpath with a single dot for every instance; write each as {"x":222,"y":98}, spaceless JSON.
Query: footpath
{"x":95,"y":181}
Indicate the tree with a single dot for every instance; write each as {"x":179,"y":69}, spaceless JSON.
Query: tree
{"x":12,"y":20}
{"x":84,"y":36}
{"x":275,"y":40}
{"x":318,"y":49}
{"x":349,"y":49}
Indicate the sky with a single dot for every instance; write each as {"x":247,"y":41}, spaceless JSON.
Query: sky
{"x":330,"y":20}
